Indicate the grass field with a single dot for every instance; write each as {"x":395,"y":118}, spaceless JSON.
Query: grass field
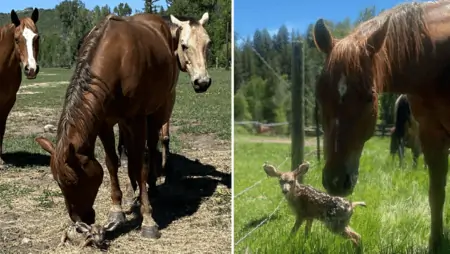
{"x":194,"y":216}
{"x":396,"y":220}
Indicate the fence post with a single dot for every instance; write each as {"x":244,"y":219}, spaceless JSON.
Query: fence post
{"x":297,"y":93}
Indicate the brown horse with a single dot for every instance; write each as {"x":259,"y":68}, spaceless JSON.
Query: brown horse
{"x":405,"y":133}
{"x":110,"y":85}
{"x":403,"y":50}
{"x":192,"y":42}
{"x":19,"y":44}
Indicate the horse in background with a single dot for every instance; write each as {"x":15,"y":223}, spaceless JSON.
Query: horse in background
{"x":19,"y":45}
{"x":405,"y":133}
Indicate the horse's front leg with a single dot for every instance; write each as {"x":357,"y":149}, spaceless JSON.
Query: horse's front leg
{"x":116,"y":214}
{"x":436,"y":156}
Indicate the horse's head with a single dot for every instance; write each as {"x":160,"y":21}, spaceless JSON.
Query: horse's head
{"x":26,"y":41}
{"x":347,"y":96}
{"x":78,"y":177}
{"x":193,"y":45}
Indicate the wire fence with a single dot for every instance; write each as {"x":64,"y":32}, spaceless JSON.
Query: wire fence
{"x":256,"y":123}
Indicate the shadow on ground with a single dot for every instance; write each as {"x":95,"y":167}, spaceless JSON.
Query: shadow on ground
{"x":193,"y":181}
{"x":22,"y":159}
{"x":252,"y":224}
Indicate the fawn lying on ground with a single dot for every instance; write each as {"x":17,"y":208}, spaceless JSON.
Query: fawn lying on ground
{"x":310,"y":204}
{"x":83,"y":234}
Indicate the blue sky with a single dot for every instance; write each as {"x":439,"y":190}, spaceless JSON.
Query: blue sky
{"x":7,"y":5}
{"x":250,"y":15}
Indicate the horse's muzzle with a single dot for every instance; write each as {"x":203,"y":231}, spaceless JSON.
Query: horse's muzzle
{"x":31,"y":73}
{"x":339,"y":185}
{"x":201,"y":85}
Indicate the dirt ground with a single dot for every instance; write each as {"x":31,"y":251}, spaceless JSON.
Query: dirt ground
{"x":194,"y":214}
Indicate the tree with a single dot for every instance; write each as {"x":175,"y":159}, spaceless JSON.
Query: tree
{"x":123,"y":9}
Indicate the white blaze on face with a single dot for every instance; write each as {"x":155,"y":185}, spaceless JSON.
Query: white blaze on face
{"x":342,"y":86}
{"x":29,"y":36}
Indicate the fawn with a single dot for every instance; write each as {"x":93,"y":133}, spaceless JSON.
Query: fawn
{"x":310,"y":204}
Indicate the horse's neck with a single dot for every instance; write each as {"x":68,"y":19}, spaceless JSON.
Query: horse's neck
{"x":80,"y":128}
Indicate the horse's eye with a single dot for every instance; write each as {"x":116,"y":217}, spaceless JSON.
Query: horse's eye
{"x":16,"y":40}
{"x":184,"y":47}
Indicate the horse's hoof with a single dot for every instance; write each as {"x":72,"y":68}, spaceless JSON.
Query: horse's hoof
{"x":115,"y":220}
{"x":150,"y":232}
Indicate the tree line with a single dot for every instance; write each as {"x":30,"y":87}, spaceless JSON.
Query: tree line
{"x":62,"y":27}
{"x":262,"y":93}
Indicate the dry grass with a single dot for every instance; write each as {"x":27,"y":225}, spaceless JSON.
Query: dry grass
{"x":194,"y":214}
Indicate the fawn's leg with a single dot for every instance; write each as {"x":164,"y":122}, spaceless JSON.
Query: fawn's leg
{"x":352,"y":235}
{"x":297,"y":225}
{"x":308,"y":227}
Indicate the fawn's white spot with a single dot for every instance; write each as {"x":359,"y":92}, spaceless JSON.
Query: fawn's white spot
{"x":29,"y":37}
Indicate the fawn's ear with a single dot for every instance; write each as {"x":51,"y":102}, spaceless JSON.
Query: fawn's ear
{"x":302,"y":169}
{"x":82,"y":227}
{"x":271,"y":171}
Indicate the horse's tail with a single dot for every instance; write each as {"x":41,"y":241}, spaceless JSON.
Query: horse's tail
{"x":402,"y":115}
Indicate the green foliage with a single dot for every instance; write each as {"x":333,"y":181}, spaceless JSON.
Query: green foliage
{"x":62,"y":27}
{"x":268,"y":95}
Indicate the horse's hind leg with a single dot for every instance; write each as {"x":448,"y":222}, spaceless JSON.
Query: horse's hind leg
{"x":116,"y":214}
{"x":401,"y":151}
{"x":165,"y":141}
{"x":130,"y":186}
{"x":149,"y":228}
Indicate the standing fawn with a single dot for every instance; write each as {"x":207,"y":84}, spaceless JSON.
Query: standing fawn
{"x":310,"y":204}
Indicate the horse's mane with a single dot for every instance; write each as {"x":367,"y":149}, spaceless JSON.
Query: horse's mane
{"x":403,"y":42}
{"x":73,"y":114}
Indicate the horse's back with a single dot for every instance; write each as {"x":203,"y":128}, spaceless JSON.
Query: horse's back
{"x":135,"y":57}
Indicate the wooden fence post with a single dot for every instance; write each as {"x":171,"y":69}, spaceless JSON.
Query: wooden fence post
{"x":297,"y":93}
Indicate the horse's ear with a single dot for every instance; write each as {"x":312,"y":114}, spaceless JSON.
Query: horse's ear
{"x":35,"y":15}
{"x":322,"y":37}
{"x":376,"y":40}
{"x":46,"y":144}
{"x":14,"y":18}
{"x":204,"y":18}
{"x":175,"y":21}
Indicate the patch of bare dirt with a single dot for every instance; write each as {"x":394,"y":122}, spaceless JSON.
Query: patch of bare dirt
{"x":43,"y":84}
{"x":194,"y":214}
{"x":31,"y":121}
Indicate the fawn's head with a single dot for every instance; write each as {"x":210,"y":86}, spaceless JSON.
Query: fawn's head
{"x":287,"y":179}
